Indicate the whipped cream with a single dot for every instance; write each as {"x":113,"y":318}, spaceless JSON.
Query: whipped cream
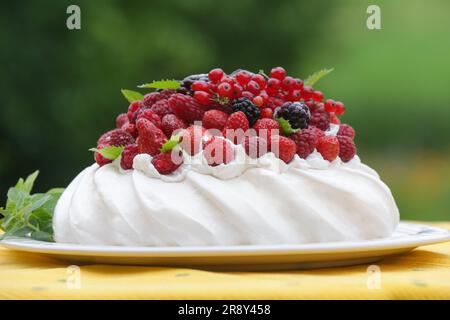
{"x":247,"y":201}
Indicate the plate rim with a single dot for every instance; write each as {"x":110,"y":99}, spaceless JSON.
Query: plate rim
{"x":437,"y":235}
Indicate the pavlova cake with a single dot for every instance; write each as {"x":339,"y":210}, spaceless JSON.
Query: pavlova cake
{"x":216,"y":159}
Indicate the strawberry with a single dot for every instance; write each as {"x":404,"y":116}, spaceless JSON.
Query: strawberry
{"x":283,"y":147}
{"x":167,"y":162}
{"x":255,"y":146}
{"x":186,"y":107}
{"x":328,"y":146}
{"x":193,"y":139}
{"x":116,"y":137}
{"x":265,"y":128}
{"x":171,"y":123}
{"x":215,"y":119}
{"x":236,"y":127}
{"x":218,"y":151}
{"x":150,"y":116}
{"x":151,"y":138}
{"x":127,"y":157}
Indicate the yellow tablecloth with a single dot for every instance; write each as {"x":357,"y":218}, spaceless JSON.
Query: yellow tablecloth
{"x":421,"y":274}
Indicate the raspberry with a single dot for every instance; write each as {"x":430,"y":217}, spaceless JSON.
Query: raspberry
{"x":171,"y":123}
{"x":266,"y":127}
{"x":131,"y":129}
{"x":296,"y":113}
{"x":151,"y":138}
{"x":186,"y":107}
{"x":346,"y":130}
{"x":150,"y":116}
{"x":193,"y":139}
{"x":278,"y":73}
{"x":255,"y":147}
{"x":215,"y":119}
{"x":161,"y":108}
{"x":101,"y":161}
{"x":218,"y":151}
{"x":250,"y":110}
{"x":134,"y":106}
{"x":121,"y":120}
{"x":328,"y":146}
{"x":283,"y":147}
{"x":127,"y":157}
{"x":116,"y":137}
{"x":151,"y":98}
{"x":320,"y":118}
{"x":306,"y":141}
{"x":347,"y":148}
{"x":168,"y":162}
{"x":267,"y":113}
{"x":166,"y":94}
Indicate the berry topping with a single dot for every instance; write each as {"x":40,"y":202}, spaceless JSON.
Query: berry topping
{"x":215,"y":119}
{"x":101,"y":160}
{"x":306,"y":141}
{"x":250,"y":110}
{"x":339,"y":108}
{"x":151,"y":98}
{"x":116,"y":137}
{"x":215,"y":75}
{"x":346,"y":130}
{"x":151,"y":138}
{"x":283,"y":147}
{"x":161,"y":108}
{"x":134,"y":106}
{"x":131,"y":129}
{"x":127,"y":157}
{"x":150,"y":116}
{"x":320,"y":118}
{"x":186,"y":107}
{"x":171,"y":123}
{"x":193,"y":139}
{"x":237,"y":120}
{"x":328,"y":146}
{"x":265,"y":128}
{"x":267,"y":113}
{"x":278,"y":73}
{"x":168,"y":162}
{"x":121,"y":120}
{"x":296,"y":113}
{"x":255,"y":147}
{"x":347,"y":148}
{"x":218,"y":151}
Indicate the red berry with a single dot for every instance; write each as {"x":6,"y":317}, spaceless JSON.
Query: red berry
{"x":225,"y":89}
{"x":259,"y":79}
{"x":236,"y":127}
{"x":339,"y":108}
{"x":328,"y":146}
{"x":131,"y":129}
{"x":127,"y":157}
{"x":121,"y":120}
{"x":151,"y":138}
{"x":283,"y":147}
{"x":306,"y":141}
{"x":253,"y":87}
{"x":193,"y":139}
{"x":334,"y":119}
{"x":151,"y":98}
{"x":330,"y":105}
{"x":275,"y":102}
{"x":317,"y":96}
{"x":288,"y":83}
{"x":203,"y":97}
{"x":266,"y":113}
{"x":150,"y":116}
{"x":116,"y":137}
{"x":134,"y":106}
{"x":168,"y":162}
{"x":215,"y":75}
{"x":263,"y":94}
{"x":186,"y":107}
{"x":237,"y":91}
{"x":258,"y":101}
{"x":298,"y":84}
{"x":200,"y":86}
{"x":307,"y":93}
{"x":295,"y":95}
{"x":243,"y":77}
{"x":161,"y":108}
{"x":320,"y":118}
{"x":346,"y":130}
{"x":265,"y":128}
{"x":273,"y":85}
{"x":248,"y":95}
{"x":227,"y":79}
{"x":347,"y":148}
{"x":255,"y":147}
{"x":101,"y":161}
{"x":215,"y":119}
{"x":171,"y":123}
{"x":278,"y":73}
{"x":218,"y":151}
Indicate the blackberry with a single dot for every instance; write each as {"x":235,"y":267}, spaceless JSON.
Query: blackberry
{"x":251,"y":111}
{"x":296,"y":113}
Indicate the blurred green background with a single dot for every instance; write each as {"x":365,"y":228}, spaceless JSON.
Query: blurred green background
{"x":60,"y":88}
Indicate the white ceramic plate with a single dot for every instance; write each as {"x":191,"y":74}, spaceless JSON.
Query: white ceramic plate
{"x":259,"y":257}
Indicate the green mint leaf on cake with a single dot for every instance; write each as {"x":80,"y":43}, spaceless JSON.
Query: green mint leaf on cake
{"x":286,"y":126}
{"x":171,"y":143}
{"x":29,"y":215}
{"x":110,"y":153}
{"x":132,"y":96}
{"x":162,"y":84}
{"x":315,"y":77}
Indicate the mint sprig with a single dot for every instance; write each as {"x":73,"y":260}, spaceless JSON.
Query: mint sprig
{"x":286,"y":127}
{"x":312,"y":79}
{"x":162,"y":84}
{"x":132,"y":96}
{"x":110,"y":153}
{"x":171,"y":143}
{"x":29,"y":215}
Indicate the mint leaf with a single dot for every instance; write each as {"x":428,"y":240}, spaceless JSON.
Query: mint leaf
{"x":312,"y":79}
{"x":132,"y":96}
{"x":171,"y":143}
{"x":110,"y":153}
{"x":162,"y":84}
{"x":29,"y":182}
{"x":286,"y":126}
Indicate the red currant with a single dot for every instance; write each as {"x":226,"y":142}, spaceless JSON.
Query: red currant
{"x":258,"y":101}
{"x":248,"y":95}
{"x":225,"y":89}
{"x":295,"y":95}
{"x":215,"y":75}
{"x":237,"y":91}
{"x":259,"y":79}
{"x":203,"y":97}
{"x":330,"y":105}
{"x":278,"y":73}
{"x":307,"y":93}
{"x":298,"y":84}
{"x":253,"y":87}
{"x":273,"y":85}
{"x":334,"y":119}
{"x":288,"y":83}
{"x":317,"y":96}
{"x":227,"y":79}
{"x":200,"y":86}
{"x":266,"y":113}
{"x":263,"y":94}
{"x":243,"y":77}
{"x":339,"y":108}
